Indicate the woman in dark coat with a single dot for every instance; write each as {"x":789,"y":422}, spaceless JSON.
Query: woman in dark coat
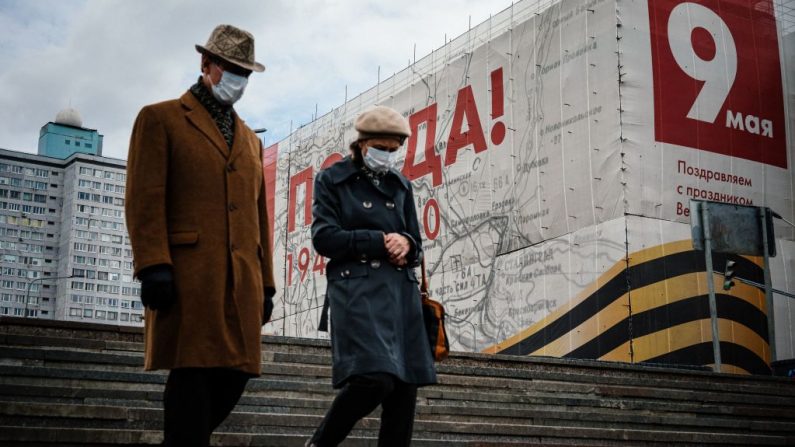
{"x":365,"y":221}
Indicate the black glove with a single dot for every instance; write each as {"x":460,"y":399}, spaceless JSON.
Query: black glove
{"x":267,"y":305}
{"x":157,"y":287}
{"x":267,"y":310}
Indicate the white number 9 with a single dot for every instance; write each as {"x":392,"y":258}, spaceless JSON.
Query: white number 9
{"x":718,"y":74}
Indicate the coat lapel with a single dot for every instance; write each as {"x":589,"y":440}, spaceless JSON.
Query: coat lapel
{"x":201,"y":119}
{"x":239,"y":143}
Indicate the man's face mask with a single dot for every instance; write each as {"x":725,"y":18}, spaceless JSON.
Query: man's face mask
{"x":380,"y":160}
{"x":230,"y":88}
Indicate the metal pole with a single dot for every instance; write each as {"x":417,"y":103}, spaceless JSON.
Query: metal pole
{"x":27,"y":293}
{"x":27,"y":296}
{"x":771,"y":331}
{"x":713,"y":306}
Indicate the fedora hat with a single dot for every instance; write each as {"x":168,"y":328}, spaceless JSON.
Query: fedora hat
{"x":232,"y":45}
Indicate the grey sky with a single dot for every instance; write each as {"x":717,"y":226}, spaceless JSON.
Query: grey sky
{"x":108,"y":58}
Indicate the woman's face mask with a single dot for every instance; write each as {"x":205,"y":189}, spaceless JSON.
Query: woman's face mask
{"x":380,"y":160}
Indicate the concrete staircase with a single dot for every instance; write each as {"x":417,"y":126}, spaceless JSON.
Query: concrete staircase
{"x":65,"y":384}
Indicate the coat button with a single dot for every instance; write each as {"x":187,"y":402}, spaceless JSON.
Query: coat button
{"x":346,"y":273}
{"x":232,"y":207}
{"x":376,"y":182}
{"x":367,"y":204}
{"x":390,"y":205}
{"x":230,"y":167}
{"x":400,"y":269}
{"x":375,"y":263}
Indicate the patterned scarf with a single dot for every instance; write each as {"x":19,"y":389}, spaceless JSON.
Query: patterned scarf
{"x":221,"y":114}
{"x":372,"y":175}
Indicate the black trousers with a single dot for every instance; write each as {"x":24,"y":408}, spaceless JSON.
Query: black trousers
{"x":196,"y":401}
{"x":358,"y":398}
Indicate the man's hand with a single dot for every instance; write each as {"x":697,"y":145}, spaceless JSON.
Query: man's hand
{"x":398,"y":247}
{"x":157,"y":287}
{"x":267,"y":310}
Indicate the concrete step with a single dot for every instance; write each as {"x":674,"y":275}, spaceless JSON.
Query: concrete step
{"x":271,"y":413}
{"x":46,"y":437}
{"x":276,"y":361}
{"x":455,"y":375}
{"x":74,"y":384}
{"x":104,"y":418}
{"x":104,"y":386}
{"x":465,"y":411}
{"x":98,"y":384}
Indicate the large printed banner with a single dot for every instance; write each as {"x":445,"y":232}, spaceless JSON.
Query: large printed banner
{"x":717,"y":78}
{"x":531,"y":145}
{"x":514,"y":142}
{"x":718,"y":130}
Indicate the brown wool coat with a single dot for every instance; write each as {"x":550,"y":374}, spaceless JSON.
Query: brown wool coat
{"x":197,"y":205}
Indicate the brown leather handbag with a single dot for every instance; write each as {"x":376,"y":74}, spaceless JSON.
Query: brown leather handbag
{"x":433,"y":316}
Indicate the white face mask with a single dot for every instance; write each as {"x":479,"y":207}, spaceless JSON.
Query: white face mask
{"x":379,"y":160}
{"x":230,"y":88}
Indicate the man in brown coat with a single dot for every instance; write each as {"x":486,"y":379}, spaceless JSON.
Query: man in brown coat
{"x":197,"y":219}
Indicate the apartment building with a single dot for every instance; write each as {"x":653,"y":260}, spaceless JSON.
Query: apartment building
{"x":64,"y":249}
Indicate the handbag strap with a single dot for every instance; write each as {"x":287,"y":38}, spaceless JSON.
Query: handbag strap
{"x":424,"y":285}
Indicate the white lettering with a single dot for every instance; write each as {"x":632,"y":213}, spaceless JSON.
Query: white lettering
{"x":767,"y":128}
{"x":718,"y":73}
{"x":734,"y":121}
{"x":752,"y":124}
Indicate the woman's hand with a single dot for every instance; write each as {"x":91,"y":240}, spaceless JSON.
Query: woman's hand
{"x":398,"y":247}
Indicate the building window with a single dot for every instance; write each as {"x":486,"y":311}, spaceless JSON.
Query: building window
{"x":88,"y":145}
{"x":124,"y":317}
{"x":68,"y":142}
{"x":87,"y":313}
{"x":77,"y":143}
{"x":74,"y":312}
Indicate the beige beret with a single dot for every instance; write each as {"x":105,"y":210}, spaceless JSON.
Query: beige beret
{"x":382,"y":121}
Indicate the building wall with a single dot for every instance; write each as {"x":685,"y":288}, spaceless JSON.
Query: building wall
{"x":96,"y":246}
{"x":78,"y":229}
{"x":61,"y":141}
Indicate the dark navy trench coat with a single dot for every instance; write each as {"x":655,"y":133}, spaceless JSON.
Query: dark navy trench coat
{"x":376,"y":313}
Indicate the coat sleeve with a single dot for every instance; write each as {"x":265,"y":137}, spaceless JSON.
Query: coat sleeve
{"x":268,"y":281}
{"x":412,"y":232}
{"x":330,"y":238}
{"x":145,"y":199}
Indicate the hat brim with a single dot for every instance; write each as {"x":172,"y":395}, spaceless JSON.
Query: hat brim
{"x":256,"y":66}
